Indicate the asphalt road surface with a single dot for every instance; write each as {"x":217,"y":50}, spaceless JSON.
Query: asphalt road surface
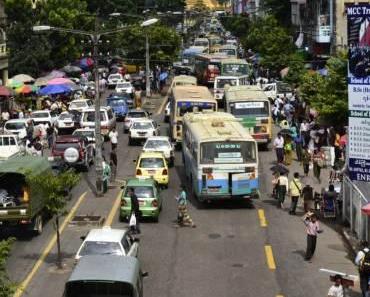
{"x":237,"y":249}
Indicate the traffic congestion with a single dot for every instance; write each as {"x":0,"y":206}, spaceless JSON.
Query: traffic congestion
{"x":189,"y":175}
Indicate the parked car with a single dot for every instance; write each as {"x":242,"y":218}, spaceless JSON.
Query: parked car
{"x":153,"y":165}
{"x":43,"y":117}
{"x":148,"y":194}
{"x":89,"y":133}
{"x":80,"y":104}
{"x":107,"y":119}
{"x":124,"y":87}
{"x":113,"y":79}
{"x":134,"y":114}
{"x":107,"y":241}
{"x":141,"y":129}
{"x":74,"y":151}
{"x":10,"y":147}
{"x":67,"y":122}
{"x":161,"y":144}
{"x":119,"y":106}
{"x":17,"y":127}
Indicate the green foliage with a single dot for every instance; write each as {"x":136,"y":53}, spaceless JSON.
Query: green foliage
{"x":170,"y":5}
{"x":53,"y":188}
{"x":7,"y":288}
{"x":296,"y":69}
{"x":271,"y":41}
{"x":104,"y":8}
{"x":328,"y":95}
{"x":280,"y":9}
{"x":238,"y":24}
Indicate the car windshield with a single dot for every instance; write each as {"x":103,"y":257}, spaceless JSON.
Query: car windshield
{"x":117,"y":102}
{"x":124,"y":85}
{"x":78,"y":104}
{"x":40,"y":115}
{"x":115,"y":76}
{"x":221,"y":83}
{"x":151,"y":163}
{"x":89,"y":134}
{"x":230,"y":52}
{"x":65,"y":116}
{"x":15,"y":125}
{"x":89,"y":116}
{"x":157,"y":144}
{"x":227,"y":152}
{"x":142,"y":125}
{"x":136,"y":114}
{"x":141,"y":192}
{"x":62,"y":146}
{"x":101,"y":248}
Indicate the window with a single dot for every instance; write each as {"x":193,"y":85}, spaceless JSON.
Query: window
{"x":126,"y":244}
{"x":101,"y":248}
{"x":151,"y":163}
{"x":142,"y":191}
{"x":89,"y":116}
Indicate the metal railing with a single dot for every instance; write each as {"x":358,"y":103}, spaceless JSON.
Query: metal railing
{"x":353,"y":201}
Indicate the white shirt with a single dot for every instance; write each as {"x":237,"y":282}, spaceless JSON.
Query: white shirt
{"x":335,"y":291}
{"x":304,"y":127}
{"x":279,"y":142}
{"x":283,"y":181}
{"x":360,"y":255}
{"x":21,"y":115}
{"x":113,"y":136}
{"x":5,"y":115}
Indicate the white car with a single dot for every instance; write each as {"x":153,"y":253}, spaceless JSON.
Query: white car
{"x":17,"y":127}
{"x":9,"y":147}
{"x":167,"y":111}
{"x":124,"y":87}
{"x":80,"y":104}
{"x":65,"y":121}
{"x":160,"y":144}
{"x":89,"y":133}
{"x":43,"y":117}
{"x":132,"y":115}
{"x":113,"y":79}
{"x":107,"y":119}
{"x":107,"y":241}
{"x":141,"y":129}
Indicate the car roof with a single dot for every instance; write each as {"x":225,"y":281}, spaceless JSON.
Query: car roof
{"x":102,"y":108}
{"x":80,"y":100}
{"x":106,"y":268}
{"x":84,"y":129}
{"x":106,"y":234}
{"x":68,"y":138}
{"x":142,"y":181}
{"x":151,"y":155}
{"x":143,"y":120}
{"x":137,"y":110}
{"x":17,"y":121}
{"x":40,"y":111}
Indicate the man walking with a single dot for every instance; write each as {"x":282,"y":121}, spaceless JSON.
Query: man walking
{"x":113,"y":136}
{"x":363,"y":262}
{"x":295,"y":188}
{"x":282,"y":188}
{"x":312,"y":229}
{"x":279,"y":148}
{"x":135,"y":210}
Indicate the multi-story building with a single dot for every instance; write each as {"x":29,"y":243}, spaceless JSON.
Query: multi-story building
{"x":250,"y":7}
{"x":3,"y":49}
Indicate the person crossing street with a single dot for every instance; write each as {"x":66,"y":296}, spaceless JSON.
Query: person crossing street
{"x":183,"y":217}
{"x":295,"y":188}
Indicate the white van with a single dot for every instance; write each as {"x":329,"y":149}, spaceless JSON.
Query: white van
{"x":17,"y":127}
{"x":107,"y":119}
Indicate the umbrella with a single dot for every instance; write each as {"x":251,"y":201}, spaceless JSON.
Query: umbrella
{"x":54,"y":89}
{"x":14,"y":84}
{"x":71,"y":69}
{"x":59,"y":81}
{"x":86,"y":63}
{"x":41,"y":81}
{"x":279,"y":168}
{"x":56,"y":74}
{"x":366,"y":209}
{"x":26,"y":89}
{"x":23,"y":78}
{"x":4,"y":91}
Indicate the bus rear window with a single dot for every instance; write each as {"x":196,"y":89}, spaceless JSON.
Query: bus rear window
{"x":185,"y":107}
{"x":250,"y":108}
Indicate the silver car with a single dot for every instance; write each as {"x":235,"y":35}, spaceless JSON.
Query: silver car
{"x":134,"y":114}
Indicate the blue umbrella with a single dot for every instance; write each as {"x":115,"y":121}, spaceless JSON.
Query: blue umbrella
{"x":55,"y":89}
{"x":163,"y":76}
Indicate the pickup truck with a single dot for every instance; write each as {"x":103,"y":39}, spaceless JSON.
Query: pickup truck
{"x":21,"y":204}
{"x":10,"y":147}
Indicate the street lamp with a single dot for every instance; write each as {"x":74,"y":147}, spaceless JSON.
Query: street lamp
{"x":147,"y":64}
{"x":95,"y":37}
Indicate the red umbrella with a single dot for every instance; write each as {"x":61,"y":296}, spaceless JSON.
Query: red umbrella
{"x":366,"y":209}
{"x":4,"y":91}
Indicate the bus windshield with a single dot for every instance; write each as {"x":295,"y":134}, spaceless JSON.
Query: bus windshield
{"x":222,"y":82}
{"x":228,"y":51}
{"x":250,"y":108}
{"x":232,"y":152}
{"x":189,"y":106}
{"x":233,"y":69}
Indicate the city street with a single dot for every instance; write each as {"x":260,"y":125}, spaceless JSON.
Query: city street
{"x":237,"y":249}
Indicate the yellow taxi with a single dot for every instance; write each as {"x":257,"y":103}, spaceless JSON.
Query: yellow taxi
{"x":153,"y":164}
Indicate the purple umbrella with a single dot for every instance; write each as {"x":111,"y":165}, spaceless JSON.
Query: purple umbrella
{"x":56,"y":74}
{"x":55,"y":89}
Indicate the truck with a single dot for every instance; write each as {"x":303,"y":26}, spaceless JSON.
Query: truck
{"x":21,"y":204}
{"x":278,"y":88}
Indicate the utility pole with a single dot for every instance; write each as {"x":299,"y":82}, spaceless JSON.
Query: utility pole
{"x":147,"y":66}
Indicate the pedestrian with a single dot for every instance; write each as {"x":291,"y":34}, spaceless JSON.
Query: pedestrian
{"x":298,"y":142}
{"x":288,"y":151}
{"x":279,"y":148}
{"x":50,"y":135}
{"x":363,"y":262}
{"x":106,"y":175}
{"x":306,"y":159}
{"x":137,"y":98}
{"x":113,"y":136}
{"x":318,"y":163}
{"x":275,"y":183}
{"x":312,"y":230}
{"x":307,"y":195}
{"x":336,"y":290}
{"x":183,"y":217}
{"x":282,"y":188}
{"x":295,"y":189}
{"x":135,"y":210}
{"x":304,"y":131}
{"x":113,"y":165}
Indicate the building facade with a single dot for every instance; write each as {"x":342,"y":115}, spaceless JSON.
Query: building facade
{"x":3,"y":48}
{"x":250,"y":7}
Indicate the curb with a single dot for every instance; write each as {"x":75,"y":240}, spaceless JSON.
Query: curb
{"x":350,"y":242}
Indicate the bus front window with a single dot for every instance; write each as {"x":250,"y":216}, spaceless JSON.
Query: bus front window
{"x":227,"y":152}
{"x":250,"y":108}
{"x":233,"y":69}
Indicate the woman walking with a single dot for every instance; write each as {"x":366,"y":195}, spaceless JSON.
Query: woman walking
{"x":306,"y":159}
{"x":318,"y":163}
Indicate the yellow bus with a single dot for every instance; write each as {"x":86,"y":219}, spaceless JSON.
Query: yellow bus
{"x":251,"y":105}
{"x":186,"y":99}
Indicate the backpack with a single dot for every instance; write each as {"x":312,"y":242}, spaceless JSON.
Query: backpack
{"x":365,"y":263}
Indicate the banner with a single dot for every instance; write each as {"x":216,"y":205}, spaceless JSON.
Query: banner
{"x":358,"y":17}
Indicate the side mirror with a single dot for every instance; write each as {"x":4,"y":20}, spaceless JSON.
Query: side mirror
{"x":83,"y":238}
{"x":145,"y":274}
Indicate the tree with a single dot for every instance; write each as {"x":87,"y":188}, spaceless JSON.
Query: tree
{"x":280,"y":9}
{"x":296,"y":69}
{"x":271,"y":41}
{"x":328,"y":94}
{"x":54,"y":189}
{"x":170,"y":5}
{"x":7,"y":288}
{"x":239,"y":25}
{"x":223,"y":2}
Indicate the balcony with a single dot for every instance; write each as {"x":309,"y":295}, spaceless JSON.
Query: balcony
{"x":322,"y":34}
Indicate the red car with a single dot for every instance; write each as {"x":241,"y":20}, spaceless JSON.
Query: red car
{"x":74,"y":151}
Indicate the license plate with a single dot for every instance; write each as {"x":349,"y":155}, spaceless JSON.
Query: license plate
{"x":151,"y":171}
{"x":141,"y":202}
{"x":68,"y":124}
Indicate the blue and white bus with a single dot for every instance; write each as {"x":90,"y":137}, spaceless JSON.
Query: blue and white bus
{"x":220,"y":157}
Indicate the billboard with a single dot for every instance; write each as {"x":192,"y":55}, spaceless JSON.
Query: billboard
{"x":358,"y":151}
